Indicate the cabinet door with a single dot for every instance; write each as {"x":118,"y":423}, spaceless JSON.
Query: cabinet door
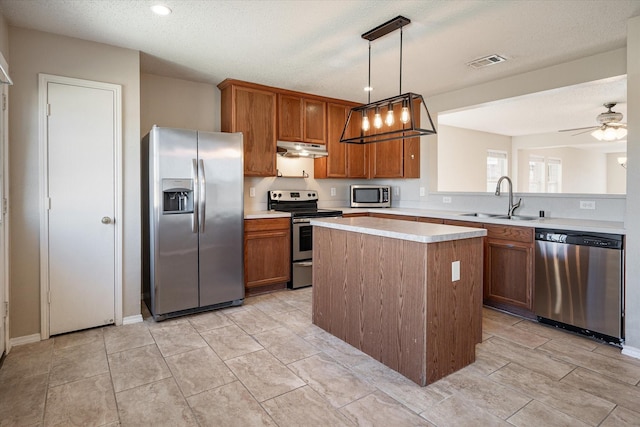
{"x":357,"y":154}
{"x":267,"y":249}
{"x":314,"y":123}
{"x":387,"y":159}
{"x":508,"y":274}
{"x":255,"y":117}
{"x":290,"y":118}
{"x":337,"y":160}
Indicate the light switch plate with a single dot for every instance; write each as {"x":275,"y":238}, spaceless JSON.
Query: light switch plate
{"x":421,"y":191}
{"x":333,"y":191}
{"x":455,"y":271}
{"x":396,"y":190}
{"x":252,"y":191}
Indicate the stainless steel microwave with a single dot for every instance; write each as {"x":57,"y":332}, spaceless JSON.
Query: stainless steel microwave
{"x":370,"y":196}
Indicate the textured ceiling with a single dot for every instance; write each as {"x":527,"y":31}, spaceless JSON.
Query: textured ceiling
{"x":315,"y":46}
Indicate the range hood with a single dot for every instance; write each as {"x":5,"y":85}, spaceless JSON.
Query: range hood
{"x":301,"y":149}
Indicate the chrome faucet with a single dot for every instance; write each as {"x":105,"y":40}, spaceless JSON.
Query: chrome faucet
{"x":512,"y":206}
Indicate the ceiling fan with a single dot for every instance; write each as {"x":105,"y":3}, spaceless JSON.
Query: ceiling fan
{"x":610,"y":127}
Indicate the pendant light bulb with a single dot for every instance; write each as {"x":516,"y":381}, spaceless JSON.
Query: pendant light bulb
{"x":365,"y":123}
{"x":389,"y":119}
{"x":404,"y":114}
{"x":377,"y":119}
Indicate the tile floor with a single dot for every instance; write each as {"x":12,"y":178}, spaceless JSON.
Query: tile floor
{"x":265,"y":364}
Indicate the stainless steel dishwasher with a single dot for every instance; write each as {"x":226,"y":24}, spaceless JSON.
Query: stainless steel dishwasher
{"x":579,"y":282}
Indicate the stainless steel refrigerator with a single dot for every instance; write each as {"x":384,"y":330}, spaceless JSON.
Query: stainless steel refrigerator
{"x":192,"y":221}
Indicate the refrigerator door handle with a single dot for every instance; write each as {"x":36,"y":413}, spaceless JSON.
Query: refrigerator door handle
{"x":202,"y":202}
{"x":196,"y":201}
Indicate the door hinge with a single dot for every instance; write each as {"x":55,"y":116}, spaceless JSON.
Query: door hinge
{"x":6,"y":308}
{"x":49,"y":297}
{"x":5,"y":206}
{"x":48,"y":110}
{"x":4,"y":102}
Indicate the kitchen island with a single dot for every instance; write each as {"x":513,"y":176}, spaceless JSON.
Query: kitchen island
{"x":408,"y":294}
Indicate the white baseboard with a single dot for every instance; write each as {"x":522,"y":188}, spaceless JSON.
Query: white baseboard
{"x":27,"y":339}
{"x":132,"y":319}
{"x":631,"y":351}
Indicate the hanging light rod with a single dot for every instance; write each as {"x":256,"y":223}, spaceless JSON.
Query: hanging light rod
{"x":386,"y":28}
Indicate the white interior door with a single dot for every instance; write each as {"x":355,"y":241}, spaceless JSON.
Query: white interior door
{"x":80,"y":206}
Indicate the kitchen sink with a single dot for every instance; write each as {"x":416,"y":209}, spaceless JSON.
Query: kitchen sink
{"x":516,"y":217}
{"x":480,"y":215}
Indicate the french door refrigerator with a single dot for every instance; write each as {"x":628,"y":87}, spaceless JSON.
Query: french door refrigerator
{"x":192,"y":221}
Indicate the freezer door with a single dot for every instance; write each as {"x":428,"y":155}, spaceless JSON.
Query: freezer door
{"x":221,"y":214}
{"x":174,"y":241}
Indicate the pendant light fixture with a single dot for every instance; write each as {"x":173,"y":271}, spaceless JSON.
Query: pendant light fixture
{"x":407,"y":104}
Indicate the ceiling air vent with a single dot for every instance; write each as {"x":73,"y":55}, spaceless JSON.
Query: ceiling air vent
{"x":486,"y":61}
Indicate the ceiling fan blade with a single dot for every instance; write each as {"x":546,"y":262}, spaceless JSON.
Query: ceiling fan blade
{"x":584,"y":131}
{"x":575,"y":129}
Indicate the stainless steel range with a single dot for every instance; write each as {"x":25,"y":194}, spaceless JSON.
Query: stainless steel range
{"x":303,"y":205}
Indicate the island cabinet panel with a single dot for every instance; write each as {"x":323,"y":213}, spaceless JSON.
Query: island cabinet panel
{"x":266,"y":253}
{"x":394,"y":299}
{"x":509,"y":273}
{"x":431,"y":220}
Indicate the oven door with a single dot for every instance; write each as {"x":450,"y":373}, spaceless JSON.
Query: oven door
{"x":302,"y":241}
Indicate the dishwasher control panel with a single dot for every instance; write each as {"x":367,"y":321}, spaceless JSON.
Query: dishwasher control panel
{"x":599,"y":240}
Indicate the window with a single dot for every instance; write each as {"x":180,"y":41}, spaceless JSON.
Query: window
{"x":496,"y":167}
{"x":536,"y":174}
{"x":554,"y":175}
{"x":545,"y":175}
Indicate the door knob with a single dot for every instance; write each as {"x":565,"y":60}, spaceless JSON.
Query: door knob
{"x":106,"y":220}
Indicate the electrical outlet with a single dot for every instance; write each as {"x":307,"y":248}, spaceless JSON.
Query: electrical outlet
{"x":455,"y":271}
{"x":252,"y":191}
{"x":446,"y":199}
{"x":421,"y":191}
{"x":396,"y":190}
{"x":333,"y":191}
{"x":587,"y":204}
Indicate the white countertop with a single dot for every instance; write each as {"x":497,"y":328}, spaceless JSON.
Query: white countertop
{"x":421,"y":232}
{"x":570,"y":224}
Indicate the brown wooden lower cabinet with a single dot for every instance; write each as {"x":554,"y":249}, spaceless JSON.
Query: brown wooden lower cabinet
{"x":430,"y":220}
{"x":267,"y":258}
{"x":354,"y":215}
{"x":508,"y":282}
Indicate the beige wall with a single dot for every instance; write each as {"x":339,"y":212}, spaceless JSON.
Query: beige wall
{"x":170,"y":102}
{"x":4,"y":38}
{"x":616,"y":174}
{"x":34,"y":52}
{"x":462,"y":157}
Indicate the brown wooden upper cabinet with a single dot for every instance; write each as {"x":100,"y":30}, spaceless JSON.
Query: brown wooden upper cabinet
{"x":301,"y":119}
{"x":251,"y":109}
{"x":399,"y":158}
{"x":345,"y":160}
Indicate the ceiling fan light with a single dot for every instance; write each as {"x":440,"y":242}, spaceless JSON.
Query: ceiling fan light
{"x":598,"y":134}
{"x":609,"y":134}
{"x":621,"y":133}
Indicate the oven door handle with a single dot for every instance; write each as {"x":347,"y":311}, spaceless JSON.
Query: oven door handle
{"x":301,"y":220}
{"x":304,"y":263}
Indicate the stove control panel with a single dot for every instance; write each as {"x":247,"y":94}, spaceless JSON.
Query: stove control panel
{"x":293,"y":195}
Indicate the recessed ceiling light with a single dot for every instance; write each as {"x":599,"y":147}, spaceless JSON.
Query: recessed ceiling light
{"x":160,"y":9}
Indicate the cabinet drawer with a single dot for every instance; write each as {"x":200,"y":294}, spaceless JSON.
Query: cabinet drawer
{"x":463,"y":223}
{"x":251,"y":225}
{"x":430,"y":220}
{"x":516,"y":234}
